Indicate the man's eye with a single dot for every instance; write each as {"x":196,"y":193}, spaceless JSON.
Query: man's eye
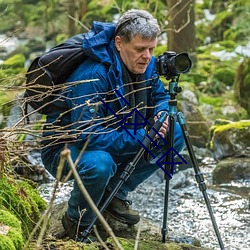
{"x":139,"y":50}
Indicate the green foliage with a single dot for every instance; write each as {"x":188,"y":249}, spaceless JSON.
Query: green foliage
{"x":12,"y":67}
{"x":22,"y":200}
{"x":229,"y":23}
{"x":17,"y":61}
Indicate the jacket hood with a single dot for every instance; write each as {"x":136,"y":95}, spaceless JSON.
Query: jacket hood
{"x":98,"y":43}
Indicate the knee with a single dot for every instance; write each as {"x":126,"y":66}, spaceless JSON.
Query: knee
{"x":98,"y":165}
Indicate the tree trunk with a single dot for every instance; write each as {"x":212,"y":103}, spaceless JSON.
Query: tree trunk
{"x":181,"y":27}
{"x":83,"y":7}
{"x":71,"y":6}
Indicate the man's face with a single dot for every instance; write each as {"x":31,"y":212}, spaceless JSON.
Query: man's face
{"x":137,"y":53}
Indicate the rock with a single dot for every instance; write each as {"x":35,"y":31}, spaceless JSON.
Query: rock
{"x":149,"y":238}
{"x":197,"y":125}
{"x":232,"y":139}
{"x":182,"y":179}
{"x":231,"y":169}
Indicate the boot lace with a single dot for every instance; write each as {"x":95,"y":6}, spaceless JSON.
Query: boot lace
{"x":127,"y":203}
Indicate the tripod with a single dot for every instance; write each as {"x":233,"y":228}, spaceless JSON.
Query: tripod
{"x":173,"y":90}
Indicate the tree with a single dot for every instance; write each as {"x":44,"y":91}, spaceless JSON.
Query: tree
{"x":181,"y":26}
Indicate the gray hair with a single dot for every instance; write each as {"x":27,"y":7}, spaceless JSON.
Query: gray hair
{"x":137,"y":22}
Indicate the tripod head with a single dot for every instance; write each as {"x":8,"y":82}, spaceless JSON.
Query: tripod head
{"x":174,"y":89}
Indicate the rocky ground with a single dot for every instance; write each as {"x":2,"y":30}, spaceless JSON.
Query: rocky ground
{"x":149,"y":236}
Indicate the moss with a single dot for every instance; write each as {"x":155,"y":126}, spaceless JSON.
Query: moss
{"x":6,"y":243}
{"x":225,"y":75}
{"x":16,"y":61}
{"x":214,"y":101}
{"x":13,"y":239}
{"x":9,"y":219}
{"x":235,"y":125}
{"x":221,"y":132}
{"x":21,"y":199}
{"x":128,"y":244}
{"x":16,"y":237}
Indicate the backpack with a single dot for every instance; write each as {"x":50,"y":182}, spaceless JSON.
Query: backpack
{"x":47,"y":74}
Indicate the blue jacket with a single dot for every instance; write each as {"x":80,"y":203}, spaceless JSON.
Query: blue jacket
{"x":91,"y":115}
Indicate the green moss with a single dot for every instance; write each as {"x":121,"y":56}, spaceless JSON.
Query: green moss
{"x":21,"y":199}
{"x":239,"y":128}
{"x":16,"y":61}
{"x":13,"y":239}
{"x":212,"y":100}
{"x":236,"y":125}
{"x":9,"y":219}
{"x":6,"y":243}
{"x":16,"y":237}
{"x":225,"y":75}
{"x":128,"y":244}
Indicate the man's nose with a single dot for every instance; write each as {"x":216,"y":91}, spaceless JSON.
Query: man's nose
{"x":146,"y":54}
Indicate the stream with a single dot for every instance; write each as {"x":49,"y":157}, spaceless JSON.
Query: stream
{"x":187,"y":212}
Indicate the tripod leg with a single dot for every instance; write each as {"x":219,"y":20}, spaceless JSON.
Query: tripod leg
{"x":168,"y":169}
{"x":164,"y":229}
{"x":199,"y":177}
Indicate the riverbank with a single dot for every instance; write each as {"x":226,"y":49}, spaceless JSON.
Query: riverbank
{"x":188,"y":216}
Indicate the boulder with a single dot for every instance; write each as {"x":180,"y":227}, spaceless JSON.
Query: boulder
{"x":231,"y":169}
{"x":230,"y":139}
{"x":149,"y":238}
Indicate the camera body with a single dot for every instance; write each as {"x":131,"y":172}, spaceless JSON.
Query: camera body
{"x":171,"y":65}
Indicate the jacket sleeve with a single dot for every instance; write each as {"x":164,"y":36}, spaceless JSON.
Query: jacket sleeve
{"x":89,"y":115}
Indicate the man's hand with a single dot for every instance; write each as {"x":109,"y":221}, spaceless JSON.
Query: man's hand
{"x":164,"y":128}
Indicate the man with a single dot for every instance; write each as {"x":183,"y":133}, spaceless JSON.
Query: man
{"x":122,"y":77}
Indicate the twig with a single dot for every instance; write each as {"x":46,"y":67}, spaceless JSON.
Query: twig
{"x":99,"y":238}
{"x":66,"y":154}
{"x":137,"y":236}
{"x":45,"y":217}
{"x":77,"y":21}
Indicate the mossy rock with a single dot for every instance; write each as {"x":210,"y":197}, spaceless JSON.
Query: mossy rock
{"x":22,"y":200}
{"x":11,"y":237}
{"x":230,"y":139}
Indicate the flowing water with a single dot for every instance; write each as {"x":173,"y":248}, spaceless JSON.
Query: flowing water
{"x":187,"y":212}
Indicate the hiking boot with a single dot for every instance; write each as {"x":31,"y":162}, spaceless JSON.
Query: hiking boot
{"x":121,"y":211}
{"x":75,"y":231}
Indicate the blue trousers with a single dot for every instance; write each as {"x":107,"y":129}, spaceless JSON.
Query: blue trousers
{"x":99,"y":171}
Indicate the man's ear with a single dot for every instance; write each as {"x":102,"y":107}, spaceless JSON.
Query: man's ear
{"x":118,"y":42}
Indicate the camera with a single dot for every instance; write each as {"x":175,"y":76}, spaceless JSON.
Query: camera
{"x":171,"y":65}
